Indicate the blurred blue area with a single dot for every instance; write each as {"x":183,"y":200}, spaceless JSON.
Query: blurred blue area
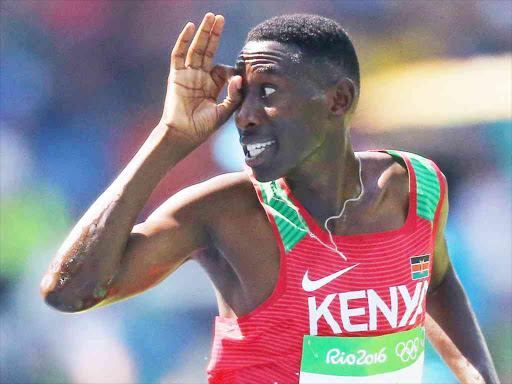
{"x":63,"y":145}
{"x":26,"y":84}
{"x":82,"y":84}
{"x":157,"y":355}
{"x":499,"y":142}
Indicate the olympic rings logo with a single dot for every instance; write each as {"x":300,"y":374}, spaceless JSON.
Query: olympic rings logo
{"x":408,"y":350}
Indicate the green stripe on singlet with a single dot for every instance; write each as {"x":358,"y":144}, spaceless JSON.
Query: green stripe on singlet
{"x":428,"y":189}
{"x":292,"y":228}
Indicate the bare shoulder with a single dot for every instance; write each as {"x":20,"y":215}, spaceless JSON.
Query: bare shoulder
{"x":224,"y":193}
{"x":230,"y":183}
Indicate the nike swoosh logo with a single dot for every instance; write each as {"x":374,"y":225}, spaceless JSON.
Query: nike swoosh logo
{"x":310,"y":286}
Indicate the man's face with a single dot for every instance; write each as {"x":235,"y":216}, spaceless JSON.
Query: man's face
{"x":282,"y":116}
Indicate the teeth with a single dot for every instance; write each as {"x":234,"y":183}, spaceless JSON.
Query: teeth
{"x":256,"y":152}
{"x":252,"y":147}
{"x":255,"y":149}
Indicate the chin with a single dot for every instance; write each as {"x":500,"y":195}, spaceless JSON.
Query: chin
{"x":266,"y":174}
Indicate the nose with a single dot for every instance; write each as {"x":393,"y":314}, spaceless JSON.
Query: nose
{"x":249,"y":114}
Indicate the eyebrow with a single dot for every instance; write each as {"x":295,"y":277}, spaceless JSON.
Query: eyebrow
{"x":261,"y":68}
{"x":267,"y":69}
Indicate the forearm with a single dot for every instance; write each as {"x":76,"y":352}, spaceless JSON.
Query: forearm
{"x":80,"y":275}
{"x":89,"y":258}
{"x":465,"y":372}
{"x":450,"y":308}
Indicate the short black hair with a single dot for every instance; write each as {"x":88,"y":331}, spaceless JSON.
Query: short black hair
{"x":316,"y":36}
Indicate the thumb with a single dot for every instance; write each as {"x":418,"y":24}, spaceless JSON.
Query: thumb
{"x":232,"y":100}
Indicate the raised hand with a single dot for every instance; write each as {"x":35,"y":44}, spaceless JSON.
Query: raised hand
{"x":191,"y":102}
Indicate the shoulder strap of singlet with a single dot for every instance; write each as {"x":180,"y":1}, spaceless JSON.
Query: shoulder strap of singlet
{"x":429,"y":184}
{"x":289,"y":226}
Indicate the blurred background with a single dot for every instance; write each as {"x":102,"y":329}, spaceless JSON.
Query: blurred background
{"x":82,"y":83}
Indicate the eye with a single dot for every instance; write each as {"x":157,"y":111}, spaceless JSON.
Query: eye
{"x":267,"y":91}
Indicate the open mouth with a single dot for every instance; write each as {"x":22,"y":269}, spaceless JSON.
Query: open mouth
{"x":257,"y":150}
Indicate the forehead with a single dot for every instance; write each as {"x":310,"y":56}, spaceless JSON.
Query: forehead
{"x":270,"y":56}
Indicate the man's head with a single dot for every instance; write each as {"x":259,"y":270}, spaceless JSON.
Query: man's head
{"x":300,"y":86}
{"x":322,"y":41}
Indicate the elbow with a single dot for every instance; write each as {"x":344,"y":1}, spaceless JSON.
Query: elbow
{"x":49,"y":289}
{"x":59,"y":303}
{"x":64,"y":300}
{"x":69,"y":303}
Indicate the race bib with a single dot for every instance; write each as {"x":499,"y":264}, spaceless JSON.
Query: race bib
{"x":394,"y":358}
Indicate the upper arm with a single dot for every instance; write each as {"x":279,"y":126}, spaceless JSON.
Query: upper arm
{"x":441,"y":257}
{"x":163,"y":242}
{"x":184,"y":224}
{"x":453,"y":330}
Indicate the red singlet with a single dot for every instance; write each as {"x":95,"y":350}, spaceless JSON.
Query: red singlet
{"x":380,"y":289}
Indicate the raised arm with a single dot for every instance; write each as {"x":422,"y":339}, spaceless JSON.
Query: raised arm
{"x":453,"y":329}
{"x":105,"y":258}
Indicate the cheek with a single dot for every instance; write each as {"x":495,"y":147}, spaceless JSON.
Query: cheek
{"x":312,"y":117}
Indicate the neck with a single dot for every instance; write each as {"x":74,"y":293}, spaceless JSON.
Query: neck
{"x":327,"y":178}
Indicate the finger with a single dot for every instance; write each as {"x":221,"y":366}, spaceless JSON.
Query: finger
{"x":197,"y":48}
{"x":213,"y":43}
{"x":180,"y":49}
{"x":232,"y":101}
{"x":221,"y":74}
{"x":235,"y":89}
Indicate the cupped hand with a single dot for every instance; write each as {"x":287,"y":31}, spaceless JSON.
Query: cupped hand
{"x":191,"y":106}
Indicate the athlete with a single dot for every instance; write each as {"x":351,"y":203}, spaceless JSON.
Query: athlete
{"x":322,"y":259}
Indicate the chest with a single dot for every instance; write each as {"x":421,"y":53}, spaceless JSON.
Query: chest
{"x":379,"y":286}
{"x":249,"y":247}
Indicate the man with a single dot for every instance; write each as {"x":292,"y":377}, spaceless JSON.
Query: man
{"x":332,"y":243}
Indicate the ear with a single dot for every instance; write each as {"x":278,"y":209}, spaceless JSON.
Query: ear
{"x":342,"y":97}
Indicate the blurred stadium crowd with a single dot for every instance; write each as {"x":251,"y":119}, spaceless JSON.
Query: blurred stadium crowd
{"x":82,"y":84}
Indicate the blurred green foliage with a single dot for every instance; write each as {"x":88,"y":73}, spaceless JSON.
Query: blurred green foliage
{"x":31,"y":219}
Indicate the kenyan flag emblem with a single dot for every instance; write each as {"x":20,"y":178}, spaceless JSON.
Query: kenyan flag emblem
{"x":419,"y":266}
